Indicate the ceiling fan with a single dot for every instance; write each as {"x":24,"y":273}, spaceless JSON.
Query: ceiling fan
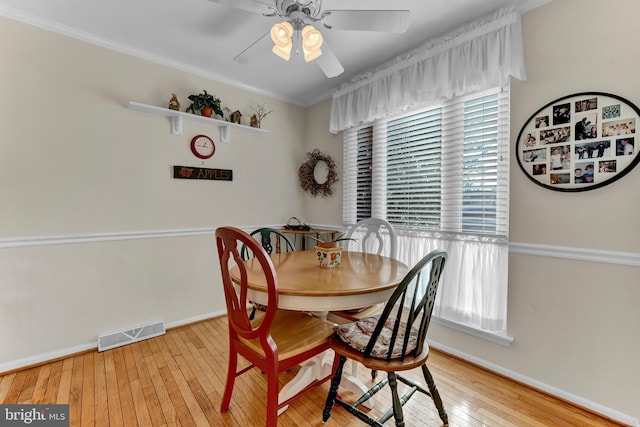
{"x":297,"y":32}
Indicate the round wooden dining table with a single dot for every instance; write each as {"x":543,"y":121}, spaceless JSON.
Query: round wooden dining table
{"x":361,"y":280}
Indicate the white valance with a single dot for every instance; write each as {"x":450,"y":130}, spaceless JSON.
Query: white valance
{"x":476,"y":57}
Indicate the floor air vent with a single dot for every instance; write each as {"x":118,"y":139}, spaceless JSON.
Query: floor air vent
{"x":129,"y":335}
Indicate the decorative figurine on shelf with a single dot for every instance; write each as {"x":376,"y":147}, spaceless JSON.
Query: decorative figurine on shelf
{"x":173,"y":103}
{"x":235,"y":117}
{"x":260,"y":113}
{"x":226,"y":113}
{"x":254,"y":122}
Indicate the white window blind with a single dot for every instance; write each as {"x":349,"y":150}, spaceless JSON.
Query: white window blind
{"x":440,"y":176}
{"x":414,"y":165}
{"x":446,"y":168}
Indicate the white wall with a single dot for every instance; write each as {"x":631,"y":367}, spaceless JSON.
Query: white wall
{"x":77,"y":165}
{"x":324,"y":210}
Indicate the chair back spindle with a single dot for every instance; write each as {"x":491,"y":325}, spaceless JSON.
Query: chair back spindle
{"x":370,"y":233}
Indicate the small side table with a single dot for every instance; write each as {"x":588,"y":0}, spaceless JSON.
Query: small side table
{"x":304,"y":233}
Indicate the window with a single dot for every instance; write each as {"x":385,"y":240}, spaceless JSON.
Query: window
{"x":440,"y":176}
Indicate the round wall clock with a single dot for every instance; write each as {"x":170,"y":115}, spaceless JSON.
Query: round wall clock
{"x":580,"y":142}
{"x":202,"y":147}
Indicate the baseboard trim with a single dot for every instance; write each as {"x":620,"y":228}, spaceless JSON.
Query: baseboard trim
{"x":545,"y":388}
{"x":52,"y":356}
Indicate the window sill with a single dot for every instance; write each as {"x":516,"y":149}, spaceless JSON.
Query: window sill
{"x":503,"y":340}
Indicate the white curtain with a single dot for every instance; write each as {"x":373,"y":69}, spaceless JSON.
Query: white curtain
{"x":473,"y":287}
{"x":476,"y":57}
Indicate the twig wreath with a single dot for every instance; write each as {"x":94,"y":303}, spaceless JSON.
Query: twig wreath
{"x":307,"y":178}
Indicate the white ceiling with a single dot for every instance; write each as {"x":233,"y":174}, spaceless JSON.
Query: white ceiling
{"x":202,"y":36}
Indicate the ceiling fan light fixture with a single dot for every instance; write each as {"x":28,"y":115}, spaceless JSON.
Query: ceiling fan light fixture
{"x":311,"y":43}
{"x":311,"y":55}
{"x":281,"y":34}
{"x":283,"y":52}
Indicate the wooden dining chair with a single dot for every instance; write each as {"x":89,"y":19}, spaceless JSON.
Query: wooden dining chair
{"x":372,"y":230}
{"x":392,"y":342}
{"x":276,"y":340}
{"x":370,"y":236}
{"x":266,"y":237}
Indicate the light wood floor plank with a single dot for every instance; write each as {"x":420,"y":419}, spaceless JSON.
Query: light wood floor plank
{"x":26,"y":394}
{"x":148,"y":390}
{"x":5,"y":385}
{"x":40,"y":388}
{"x":64,"y":387}
{"x":199,"y":375}
{"x":75,"y":392}
{"x":164,"y":399}
{"x":137,"y":394}
{"x":113,"y":396}
{"x":124,"y":389}
{"x":178,"y":379}
{"x":169,"y":378}
{"x":194,"y":377}
{"x":100,"y":399}
{"x":53,"y":383}
{"x":88,"y":417}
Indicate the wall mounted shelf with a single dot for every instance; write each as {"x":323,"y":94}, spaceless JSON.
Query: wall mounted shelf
{"x":178,"y":118}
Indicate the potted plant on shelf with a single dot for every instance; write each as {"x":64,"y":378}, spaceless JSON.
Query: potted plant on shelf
{"x":327,"y":250}
{"x":206,"y":103}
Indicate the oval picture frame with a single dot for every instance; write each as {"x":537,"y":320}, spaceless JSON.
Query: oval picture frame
{"x":579,"y":142}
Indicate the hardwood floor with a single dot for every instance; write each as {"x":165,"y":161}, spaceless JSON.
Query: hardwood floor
{"x":177,"y":380}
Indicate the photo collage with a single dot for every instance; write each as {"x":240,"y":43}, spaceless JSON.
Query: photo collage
{"x":579,"y":141}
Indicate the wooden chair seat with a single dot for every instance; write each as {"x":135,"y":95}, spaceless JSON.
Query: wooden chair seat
{"x":343,"y":349}
{"x":309,"y":332}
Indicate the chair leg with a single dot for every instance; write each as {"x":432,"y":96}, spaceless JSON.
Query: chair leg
{"x":333,"y":391}
{"x":273,"y":388}
{"x":435,"y":395}
{"x":398,"y":415}
{"x":231,"y":379}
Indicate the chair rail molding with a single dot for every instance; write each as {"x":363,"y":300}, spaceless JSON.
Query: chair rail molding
{"x":20,"y":242}
{"x":578,"y":254}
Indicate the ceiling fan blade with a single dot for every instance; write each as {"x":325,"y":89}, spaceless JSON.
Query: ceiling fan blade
{"x":253,"y":6}
{"x":255,"y":48}
{"x":391,"y":21}
{"x":328,"y":62}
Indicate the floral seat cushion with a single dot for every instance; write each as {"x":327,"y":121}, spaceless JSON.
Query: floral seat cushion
{"x":357,"y":335}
